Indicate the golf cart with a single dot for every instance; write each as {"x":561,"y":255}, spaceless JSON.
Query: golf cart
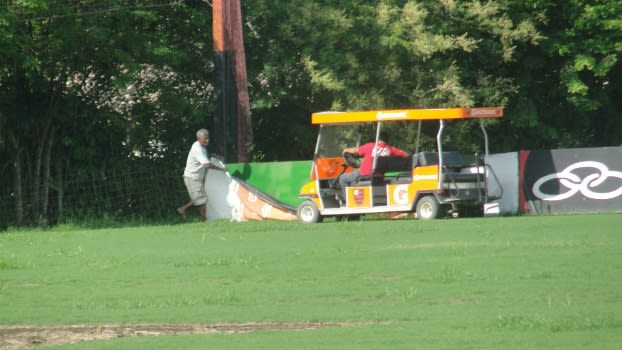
{"x":429,"y":184}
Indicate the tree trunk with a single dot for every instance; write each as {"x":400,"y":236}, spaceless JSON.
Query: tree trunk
{"x":36,"y":178}
{"x":46,"y":176}
{"x":17,"y":180}
{"x":60,"y":190}
{"x":17,"y":188}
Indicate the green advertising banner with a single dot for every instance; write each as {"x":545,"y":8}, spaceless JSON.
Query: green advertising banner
{"x":281,"y":180}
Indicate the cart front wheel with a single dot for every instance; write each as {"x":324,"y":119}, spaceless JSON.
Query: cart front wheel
{"x":308,"y":213}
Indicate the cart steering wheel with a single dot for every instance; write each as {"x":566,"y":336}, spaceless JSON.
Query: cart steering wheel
{"x":351,"y":159}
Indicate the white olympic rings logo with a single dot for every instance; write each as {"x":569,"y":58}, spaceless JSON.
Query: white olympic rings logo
{"x":575,"y":184}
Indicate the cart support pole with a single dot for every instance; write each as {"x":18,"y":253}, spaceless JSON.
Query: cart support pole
{"x":375,"y":146}
{"x":439,"y":146}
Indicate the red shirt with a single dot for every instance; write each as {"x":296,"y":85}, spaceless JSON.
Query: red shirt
{"x":382,"y":150}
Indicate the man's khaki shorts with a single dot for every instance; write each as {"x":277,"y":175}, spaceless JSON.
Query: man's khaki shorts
{"x":196,"y":191}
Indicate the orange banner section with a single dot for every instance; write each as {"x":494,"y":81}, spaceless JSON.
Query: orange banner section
{"x":405,"y":114}
{"x":247,"y":205}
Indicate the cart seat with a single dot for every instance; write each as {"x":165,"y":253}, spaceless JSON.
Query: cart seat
{"x":390,"y":164}
{"x":450,"y":159}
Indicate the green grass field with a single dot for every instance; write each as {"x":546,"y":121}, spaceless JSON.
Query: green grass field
{"x":546,"y":282}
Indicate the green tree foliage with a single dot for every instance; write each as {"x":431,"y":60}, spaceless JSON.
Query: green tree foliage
{"x":569,"y":84}
{"x":553,"y":65}
{"x":389,"y":54}
{"x":90,"y":85}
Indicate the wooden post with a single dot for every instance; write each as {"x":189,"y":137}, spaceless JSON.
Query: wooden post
{"x":244,"y":129}
{"x":232,"y":122}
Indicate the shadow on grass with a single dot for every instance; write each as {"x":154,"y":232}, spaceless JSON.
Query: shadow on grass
{"x":108,"y":222}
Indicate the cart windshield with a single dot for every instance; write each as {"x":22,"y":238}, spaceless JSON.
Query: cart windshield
{"x":333,"y":138}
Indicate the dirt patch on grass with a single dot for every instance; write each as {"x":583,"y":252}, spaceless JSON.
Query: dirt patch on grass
{"x":24,"y":337}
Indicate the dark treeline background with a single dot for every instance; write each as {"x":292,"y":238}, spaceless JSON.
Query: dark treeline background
{"x":109,"y":93}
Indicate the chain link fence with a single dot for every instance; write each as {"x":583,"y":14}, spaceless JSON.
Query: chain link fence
{"x":140,"y":192}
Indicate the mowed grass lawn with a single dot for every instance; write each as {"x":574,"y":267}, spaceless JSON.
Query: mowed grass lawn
{"x":541,"y":282}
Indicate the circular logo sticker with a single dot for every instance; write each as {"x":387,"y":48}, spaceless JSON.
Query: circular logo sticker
{"x":400,"y":194}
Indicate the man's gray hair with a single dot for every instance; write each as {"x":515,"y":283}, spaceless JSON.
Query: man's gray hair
{"x":202,"y":132}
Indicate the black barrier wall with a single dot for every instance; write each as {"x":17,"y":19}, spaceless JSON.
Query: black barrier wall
{"x":571,"y":180}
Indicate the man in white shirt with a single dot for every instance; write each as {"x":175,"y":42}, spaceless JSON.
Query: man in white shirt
{"x":194,"y":174}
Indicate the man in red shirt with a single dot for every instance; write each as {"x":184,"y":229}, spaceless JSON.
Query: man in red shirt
{"x":368,"y":151}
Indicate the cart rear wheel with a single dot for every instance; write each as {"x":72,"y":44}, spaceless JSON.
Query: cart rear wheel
{"x":308,"y":213}
{"x":427,"y":208}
